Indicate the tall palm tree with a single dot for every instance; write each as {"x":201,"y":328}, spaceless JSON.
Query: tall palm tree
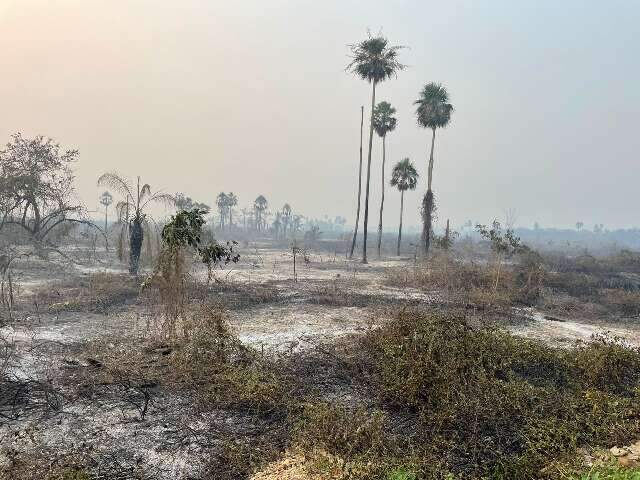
{"x":355,"y":230}
{"x":383,"y":123}
{"x":286,"y":218}
{"x":106,"y":199}
{"x":131,"y":211}
{"x":375,"y":61}
{"x":232,"y":201}
{"x":222,"y":201}
{"x":277,"y":225}
{"x":260,"y":206}
{"x":433,"y":111}
{"x":404,"y":177}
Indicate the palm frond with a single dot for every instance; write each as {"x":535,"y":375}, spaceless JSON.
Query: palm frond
{"x":383,"y":119}
{"x":433,"y":110}
{"x":404,"y":175}
{"x":121,"y":210}
{"x":164,"y":198}
{"x":374,"y":60}
{"x":117,"y":183}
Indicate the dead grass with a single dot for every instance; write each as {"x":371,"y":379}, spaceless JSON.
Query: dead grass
{"x":96,"y":293}
{"x":472,"y":282}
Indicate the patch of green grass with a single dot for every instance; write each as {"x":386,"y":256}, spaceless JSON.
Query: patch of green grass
{"x":609,"y":472}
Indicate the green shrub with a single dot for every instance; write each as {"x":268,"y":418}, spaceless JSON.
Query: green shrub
{"x":607,"y":364}
{"x":498,"y":405}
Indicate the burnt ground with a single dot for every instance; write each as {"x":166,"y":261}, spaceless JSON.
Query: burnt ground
{"x":65,"y":312}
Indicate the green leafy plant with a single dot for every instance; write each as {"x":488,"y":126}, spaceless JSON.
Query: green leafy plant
{"x":181,"y":234}
{"x":504,"y":244}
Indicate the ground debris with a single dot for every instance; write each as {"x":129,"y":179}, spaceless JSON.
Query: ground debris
{"x":627,"y":456}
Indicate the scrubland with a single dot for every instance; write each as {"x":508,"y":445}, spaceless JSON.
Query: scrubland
{"x":404,"y":368}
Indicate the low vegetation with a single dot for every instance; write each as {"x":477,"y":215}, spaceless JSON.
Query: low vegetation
{"x":475,"y":402}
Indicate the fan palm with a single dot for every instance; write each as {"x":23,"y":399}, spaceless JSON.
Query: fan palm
{"x":106,"y":199}
{"x":404,"y":177}
{"x":131,"y":211}
{"x":286,"y":218}
{"x":260,"y":205}
{"x":433,"y":111}
{"x":232,"y":201}
{"x":383,"y":123}
{"x":375,"y":61}
{"x":222,"y":202}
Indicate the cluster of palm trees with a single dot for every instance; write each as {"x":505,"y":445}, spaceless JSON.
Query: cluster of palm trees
{"x":375,"y":61}
{"x":225,"y":203}
{"x":282,"y":221}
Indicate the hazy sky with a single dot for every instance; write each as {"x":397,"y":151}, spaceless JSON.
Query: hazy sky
{"x":251,"y":96}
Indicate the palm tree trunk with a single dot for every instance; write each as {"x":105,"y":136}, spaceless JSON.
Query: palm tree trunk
{"x":427,"y":204}
{"x":366,"y":194}
{"x":447,"y":234}
{"x":106,"y":225}
{"x":430,"y":172}
{"x":384,"y":157}
{"x":400,"y":228}
{"x":355,"y":231}
{"x":135,"y":241}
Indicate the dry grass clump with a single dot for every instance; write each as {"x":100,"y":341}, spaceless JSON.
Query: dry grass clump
{"x":585,"y":284}
{"x":221,"y":371}
{"x":208,"y":363}
{"x":612,"y":282}
{"x":44,"y":464}
{"x":476,"y":283}
{"x":479,"y":403}
{"x":442,"y":271}
{"x":96,"y":293}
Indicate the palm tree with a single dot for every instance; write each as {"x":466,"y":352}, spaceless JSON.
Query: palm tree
{"x":259,"y":206}
{"x":245,"y":212}
{"x":355,"y":230}
{"x":232,"y":201}
{"x":277,"y":225}
{"x":375,"y":61}
{"x":286,"y":218}
{"x":106,"y":199}
{"x":383,"y":123}
{"x":131,"y":211}
{"x":433,"y":112}
{"x":222,"y":201}
{"x":404,"y":177}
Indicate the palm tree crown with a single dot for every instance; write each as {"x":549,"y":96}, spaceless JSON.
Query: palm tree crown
{"x":260,"y":203}
{"x":383,"y":119}
{"x":134,"y":199}
{"x":434,"y":110}
{"x":374,"y":60}
{"x":404,"y":176}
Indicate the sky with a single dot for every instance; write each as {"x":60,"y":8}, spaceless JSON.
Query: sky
{"x":252,"y":96}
